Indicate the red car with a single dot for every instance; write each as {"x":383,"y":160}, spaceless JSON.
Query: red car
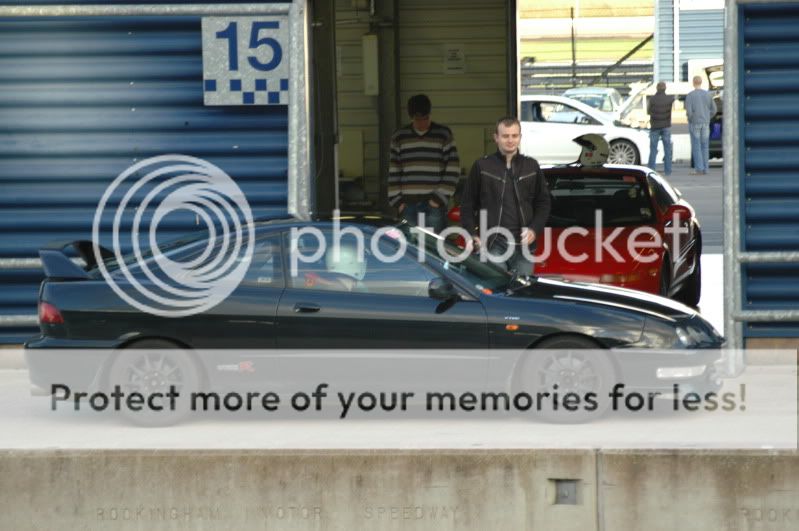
{"x":649,"y":238}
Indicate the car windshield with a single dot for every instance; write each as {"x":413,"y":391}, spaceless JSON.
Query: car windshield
{"x":621,"y":200}
{"x":484,"y":276}
{"x":593,"y":100}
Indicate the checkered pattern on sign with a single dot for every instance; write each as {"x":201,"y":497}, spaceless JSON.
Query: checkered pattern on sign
{"x":263,"y":91}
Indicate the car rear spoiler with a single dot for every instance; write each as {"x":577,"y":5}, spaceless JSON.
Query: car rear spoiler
{"x":57,"y":264}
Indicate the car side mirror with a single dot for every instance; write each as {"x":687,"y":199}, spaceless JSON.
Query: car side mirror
{"x":679,"y":212}
{"x":441,"y":289}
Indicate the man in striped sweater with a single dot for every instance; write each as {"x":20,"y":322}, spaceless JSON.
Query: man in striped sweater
{"x":424,"y":167}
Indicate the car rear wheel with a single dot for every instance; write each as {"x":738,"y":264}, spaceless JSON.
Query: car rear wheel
{"x":623,"y":152}
{"x":150,"y":367}
{"x":691,"y":291}
{"x":665,"y":278}
{"x":571,"y":369}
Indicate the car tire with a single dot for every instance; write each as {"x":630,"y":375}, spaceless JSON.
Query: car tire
{"x":691,"y":291}
{"x":151,"y":366}
{"x":623,"y":152}
{"x":665,"y":278}
{"x":576,"y":365}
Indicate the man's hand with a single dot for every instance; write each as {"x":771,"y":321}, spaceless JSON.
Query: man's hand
{"x":400,"y":208}
{"x":528,"y":236}
{"x":473,"y":244}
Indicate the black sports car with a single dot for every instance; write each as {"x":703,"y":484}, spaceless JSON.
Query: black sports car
{"x":296,"y":295}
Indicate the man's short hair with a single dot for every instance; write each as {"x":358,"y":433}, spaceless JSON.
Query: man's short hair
{"x":507,"y":121}
{"x":697,"y":80}
{"x":419,"y":104}
{"x":661,"y":86}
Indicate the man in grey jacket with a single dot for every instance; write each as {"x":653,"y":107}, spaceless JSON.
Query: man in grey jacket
{"x":659,"y":109}
{"x":700,"y":108}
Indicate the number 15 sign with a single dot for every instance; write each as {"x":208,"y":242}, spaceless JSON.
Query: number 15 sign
{"x":246,"y":60}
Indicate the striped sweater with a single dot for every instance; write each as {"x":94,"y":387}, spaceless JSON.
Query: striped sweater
{"x":423,"y":164}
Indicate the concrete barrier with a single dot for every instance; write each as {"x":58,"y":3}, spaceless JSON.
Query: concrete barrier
{"x":442,"y":490}
{"x":12,"y":357}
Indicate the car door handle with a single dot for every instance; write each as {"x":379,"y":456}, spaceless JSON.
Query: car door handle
{"x":306,"y":307}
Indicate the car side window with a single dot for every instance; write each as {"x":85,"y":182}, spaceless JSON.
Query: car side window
{"x":264,"y":265}
{"x":564,"y":114}
{"x":527,"y":111}
{"x":405,"y":276}
{"x":266,"y":269}
{"x":355,"y":268}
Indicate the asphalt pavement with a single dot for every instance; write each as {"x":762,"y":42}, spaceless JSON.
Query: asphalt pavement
{"x":704,"y":192}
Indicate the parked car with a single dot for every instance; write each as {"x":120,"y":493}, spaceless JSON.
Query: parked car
{"x":605,"y":99}
{"x":634,"y":112}
{"x":628,"y":199}
{"x":715,"y":78}
{"x":437,"y":304}
{"x":550,"y":123}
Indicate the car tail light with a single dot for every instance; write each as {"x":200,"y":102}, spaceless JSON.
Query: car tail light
{"x":619,"y":279}
{"x":49,"y":314}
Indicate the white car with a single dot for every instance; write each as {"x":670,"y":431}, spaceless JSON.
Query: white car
{"x":551,"y":123}
{"x":605,"y":99}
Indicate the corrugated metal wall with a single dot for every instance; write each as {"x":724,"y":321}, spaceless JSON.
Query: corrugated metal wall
{"x":664,"y":40}
{"x":769,"y":140}
{"x":469,"y":103}
{"x":81,"y":100}
{"x":701,"y":36}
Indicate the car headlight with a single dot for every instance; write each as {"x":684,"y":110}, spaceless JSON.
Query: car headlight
{"x":680,"y":335}
{"x":691,"y":336}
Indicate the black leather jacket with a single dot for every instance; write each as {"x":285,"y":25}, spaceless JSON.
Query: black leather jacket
{"x":486,"y":183}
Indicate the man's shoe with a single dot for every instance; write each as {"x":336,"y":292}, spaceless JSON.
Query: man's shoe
{"x":694,"y":172}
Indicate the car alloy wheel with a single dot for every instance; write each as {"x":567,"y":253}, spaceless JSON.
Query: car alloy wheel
{"x":622,"y":152}
{"x":155,"y":367}
{"x":568,"y":365}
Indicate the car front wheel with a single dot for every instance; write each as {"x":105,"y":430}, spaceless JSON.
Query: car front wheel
{"x":569,"y":377}
{"x":623,"y":152}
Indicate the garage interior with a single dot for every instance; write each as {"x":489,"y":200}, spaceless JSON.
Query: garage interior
{"x":462,"y":54}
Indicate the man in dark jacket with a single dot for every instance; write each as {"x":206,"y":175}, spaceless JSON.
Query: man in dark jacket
{"x":506,"y":194}
{"x":659,"y":109}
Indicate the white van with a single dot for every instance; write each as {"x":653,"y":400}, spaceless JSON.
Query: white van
{"x":633,"y":112}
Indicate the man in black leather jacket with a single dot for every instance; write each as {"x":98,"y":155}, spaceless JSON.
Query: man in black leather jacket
{"x":510,"y":191}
